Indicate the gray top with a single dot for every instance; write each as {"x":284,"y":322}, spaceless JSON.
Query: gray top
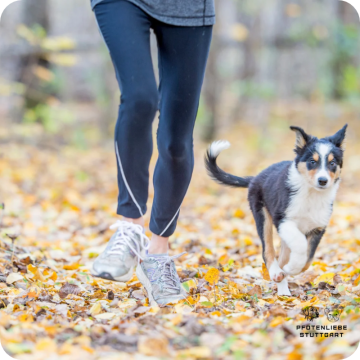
{"x":177,"y":12}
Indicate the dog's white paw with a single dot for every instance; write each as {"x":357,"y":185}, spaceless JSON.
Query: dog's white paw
{"x":283,"y":288}
{"x":276,"y":273}
{"x":279,"y":276}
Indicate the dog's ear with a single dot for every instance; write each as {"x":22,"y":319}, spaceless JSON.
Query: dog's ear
{"x":302,"y":138}
{"x":338,"y":138}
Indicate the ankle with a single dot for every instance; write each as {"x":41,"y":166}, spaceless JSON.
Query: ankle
{"x":158,"y":245}
{"x":140,"y":221}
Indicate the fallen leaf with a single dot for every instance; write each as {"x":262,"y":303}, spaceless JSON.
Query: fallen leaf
{"x":13,"y":277}
{"x":105,"y":316}
{"x":96,"y":309}
{"x":197,"y":352}
{"x":74,"y":266}
{"x":256,"y":290}
{"x":153,"y":346}
{"x":68,"y":289}
{"x":278,"y":310}
{"x":110,"y":295}
{"x":327,"y":277}
{"x":265,"y":272}
{"x":212,"y":276}
{"x":36,"y":273}
{"x":46,"y":344}
{"x":357,"y":281}
{"x":337,"y":279}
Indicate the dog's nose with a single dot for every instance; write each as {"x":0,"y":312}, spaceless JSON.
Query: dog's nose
{"x":323,"y":181}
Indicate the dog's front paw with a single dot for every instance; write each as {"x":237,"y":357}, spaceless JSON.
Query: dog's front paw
{"x":278,"y":277}
{"x":276,"y":273}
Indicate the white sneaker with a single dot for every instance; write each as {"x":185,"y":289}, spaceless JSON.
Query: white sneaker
{"x":123,"y":252}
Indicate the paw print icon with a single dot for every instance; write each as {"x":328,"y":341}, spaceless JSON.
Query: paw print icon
{"x":333,"y":314}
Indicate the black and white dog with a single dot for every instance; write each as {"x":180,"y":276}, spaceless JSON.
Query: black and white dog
{"x":296,"y":196}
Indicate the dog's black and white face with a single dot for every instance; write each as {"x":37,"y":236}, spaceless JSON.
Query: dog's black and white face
{"x":319,"y":161}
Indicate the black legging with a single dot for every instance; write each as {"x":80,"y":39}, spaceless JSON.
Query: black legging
{"x":183,"y":53}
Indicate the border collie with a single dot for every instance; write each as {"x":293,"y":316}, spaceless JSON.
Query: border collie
{"x":295,"y":196}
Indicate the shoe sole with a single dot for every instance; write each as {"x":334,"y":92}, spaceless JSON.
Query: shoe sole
{"x":107,"y":276}
{"x":146,"y":283}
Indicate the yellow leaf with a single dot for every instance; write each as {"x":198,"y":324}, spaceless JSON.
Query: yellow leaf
{"x":95,"y":309}
{"x":223,"y":259}
{"x":190,"y":284}
{"x":197,"y":352}
{"x":43,"y":73}
{"x":26,"y":318}
{"x":50,"y":274}
{"x":276,"y":321}
{"x":216,"y":313}
{"x":357,"y":281}
{"x":248,"y":241}
{"x":323,"y":266}
{"x":36,"y":272}
{"x":88,"y":349}
{"x":265,"y":272}
{"x":212,"y":276}
{"x":63,"y":59}
{"x":294,"y":355}
{"x":74,"y":266}
{"x":57,"y":43}
{"x":46,"y":344}
{"x":239,"y":213}
{"x":328,"y":277}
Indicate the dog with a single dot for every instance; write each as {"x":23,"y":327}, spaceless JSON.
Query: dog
{"x":295,"y":196}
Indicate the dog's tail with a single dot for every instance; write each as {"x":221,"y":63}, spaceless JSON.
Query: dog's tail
{"x":219,"y":175}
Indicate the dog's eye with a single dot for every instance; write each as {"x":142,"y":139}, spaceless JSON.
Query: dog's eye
{"x":312,"y":162}
{"x":332,"y":163}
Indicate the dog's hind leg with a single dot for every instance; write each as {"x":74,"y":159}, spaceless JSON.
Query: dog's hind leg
{"x":264,"y":227}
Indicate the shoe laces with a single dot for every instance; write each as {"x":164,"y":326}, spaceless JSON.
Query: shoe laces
{"x":125,"y":237}
{"x":165,"y":272}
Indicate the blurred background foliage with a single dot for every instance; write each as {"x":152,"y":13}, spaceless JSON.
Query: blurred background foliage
{"x":268,"y":60}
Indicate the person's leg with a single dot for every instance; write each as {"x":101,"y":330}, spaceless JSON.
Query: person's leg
{"x":183,"y":52}
{"x":126,"y":31}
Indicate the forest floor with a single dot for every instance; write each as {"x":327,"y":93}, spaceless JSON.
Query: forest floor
{"x":59,"y":204}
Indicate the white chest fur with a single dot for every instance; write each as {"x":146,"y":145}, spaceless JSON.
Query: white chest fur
{"x":309,"y":208}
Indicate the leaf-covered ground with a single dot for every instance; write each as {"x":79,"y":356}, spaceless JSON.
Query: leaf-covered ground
{"x":59,"y":204}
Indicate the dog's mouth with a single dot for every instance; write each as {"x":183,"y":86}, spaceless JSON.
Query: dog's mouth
{"x":321,"y":187}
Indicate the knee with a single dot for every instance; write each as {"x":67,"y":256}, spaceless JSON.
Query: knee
{"x":143,"y":103}
{"x":176,"y":151}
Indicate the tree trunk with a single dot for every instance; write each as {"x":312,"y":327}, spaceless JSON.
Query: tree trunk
{"x":35,"y":13}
